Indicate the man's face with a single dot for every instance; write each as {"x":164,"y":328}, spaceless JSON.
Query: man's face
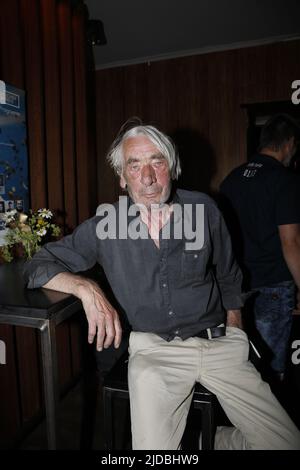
{"x":145,"y":171}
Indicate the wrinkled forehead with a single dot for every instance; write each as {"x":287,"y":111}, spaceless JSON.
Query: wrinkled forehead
{"x":139,"y":146}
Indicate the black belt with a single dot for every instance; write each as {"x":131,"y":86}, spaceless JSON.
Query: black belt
{"x":215,"y":332}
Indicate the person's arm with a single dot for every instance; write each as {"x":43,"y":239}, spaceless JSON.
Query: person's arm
{"x":55,"y":267}
{"x":228,"y":273}
{"x":102,"y":318}
{"x":290,"y":243}
{"x":234,"y":318}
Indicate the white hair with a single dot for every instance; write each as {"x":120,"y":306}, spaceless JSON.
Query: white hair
{"x":163,"y":143}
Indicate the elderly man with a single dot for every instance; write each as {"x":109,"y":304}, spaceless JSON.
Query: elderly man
{"x":168,"y":259}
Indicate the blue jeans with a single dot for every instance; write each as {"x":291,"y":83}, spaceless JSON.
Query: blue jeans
{"x":273,"y":309}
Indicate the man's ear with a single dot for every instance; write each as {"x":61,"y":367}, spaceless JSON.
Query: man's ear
{"x":123,"y":182}
{"x":289,"y":146}
{"x":292,"y":142}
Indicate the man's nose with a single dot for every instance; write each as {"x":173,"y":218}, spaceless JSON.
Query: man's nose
{"x":148,"y":175}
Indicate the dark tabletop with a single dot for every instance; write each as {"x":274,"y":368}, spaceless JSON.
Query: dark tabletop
{"x":16,"y":299}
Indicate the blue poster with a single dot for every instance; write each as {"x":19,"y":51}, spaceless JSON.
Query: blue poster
{"x":13,"y":150}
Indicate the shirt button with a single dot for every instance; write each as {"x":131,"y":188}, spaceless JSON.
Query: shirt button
{"x":195,"y":256}
{"x":164,"y":285}
{"x":171,"y":313}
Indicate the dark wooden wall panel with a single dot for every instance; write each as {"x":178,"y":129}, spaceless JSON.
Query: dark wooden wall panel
{"x":81,"y":111}
{"x":159,"y":97}
{"x":68,"y":112}
{"x":44,"y":51}
{"x":198,"y":101}
{"x":11,"y":43}
{"x":136,"y":97}
{"x":109,"y":121}
{"x":52,"y":106}
{"x":30,"y":12}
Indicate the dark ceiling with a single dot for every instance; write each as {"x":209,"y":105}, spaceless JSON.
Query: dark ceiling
{"x":139,"y":31}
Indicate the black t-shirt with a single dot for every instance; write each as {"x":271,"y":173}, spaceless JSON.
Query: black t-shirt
{"x":257,"y":197}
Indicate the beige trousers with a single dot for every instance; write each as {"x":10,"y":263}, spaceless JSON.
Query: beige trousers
{"x":161,"y":379}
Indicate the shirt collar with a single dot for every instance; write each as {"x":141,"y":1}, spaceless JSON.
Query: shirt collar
{"x":267,"y":159}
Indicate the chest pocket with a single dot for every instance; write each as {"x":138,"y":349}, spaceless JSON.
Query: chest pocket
{"x":194,"y":264}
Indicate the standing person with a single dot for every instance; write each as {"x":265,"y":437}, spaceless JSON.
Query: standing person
{"x":262,"y":201}
{"x":167,"y":256}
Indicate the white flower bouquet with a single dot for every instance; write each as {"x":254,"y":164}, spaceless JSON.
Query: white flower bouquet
{"x":28,"y":231}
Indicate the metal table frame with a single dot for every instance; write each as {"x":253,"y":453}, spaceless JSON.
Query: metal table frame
{"x":47,"y":330}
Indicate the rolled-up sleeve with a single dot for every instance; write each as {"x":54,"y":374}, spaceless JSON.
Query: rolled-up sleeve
{"x":73,"y":253}
{"x":228,"y":273}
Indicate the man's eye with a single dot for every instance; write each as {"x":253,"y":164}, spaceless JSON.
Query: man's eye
{"x":134,"y":166}
{"x":158,"y":163}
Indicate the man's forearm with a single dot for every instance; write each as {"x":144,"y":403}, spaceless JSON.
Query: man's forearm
{"x":291,"y":253}
{"x":68,"y":283}
{"x":290,"y":243}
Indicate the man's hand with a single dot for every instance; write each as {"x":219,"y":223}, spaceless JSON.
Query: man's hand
{"x":234,"y":318}
{"x":103,"y":320}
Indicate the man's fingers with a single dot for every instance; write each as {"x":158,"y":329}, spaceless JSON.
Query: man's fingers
{"x":118,"y":332}
{"x":100,"y":333}
{"x":91,"y":331}
{"x":110,"y":331}
{"x":100,"y":337}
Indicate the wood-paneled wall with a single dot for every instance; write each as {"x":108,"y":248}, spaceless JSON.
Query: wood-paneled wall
{"x":198,"y":101}
{"x":43,"y":50}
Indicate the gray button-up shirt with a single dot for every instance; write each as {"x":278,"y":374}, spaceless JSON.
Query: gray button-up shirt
{"x":173,"y":290}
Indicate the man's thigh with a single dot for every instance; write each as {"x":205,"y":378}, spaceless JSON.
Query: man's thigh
{"x":161,"y":378}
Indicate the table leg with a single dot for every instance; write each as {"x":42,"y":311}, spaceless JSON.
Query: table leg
{"x":49,"y":358}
